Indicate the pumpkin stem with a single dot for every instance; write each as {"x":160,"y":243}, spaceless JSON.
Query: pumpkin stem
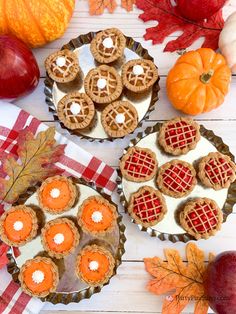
{"x":206,"y":77}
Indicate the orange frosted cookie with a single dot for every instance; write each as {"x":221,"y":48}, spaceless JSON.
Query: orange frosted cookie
{"x":60,"y":237}
{"x":39,"y":277}
{"x":97,"y":216}
{"x":18,"y":225}
{"x":95,"y":265}
{"x":57,"y":194}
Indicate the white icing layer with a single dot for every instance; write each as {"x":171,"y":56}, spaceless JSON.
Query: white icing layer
{"x":97,"y":216}
{"x":61,"y":61}
{"x":38,"y":276}
{"x":138,"y":70}
{"x":55,"y":193}
{"x":75,"y":108}
{"x":101,"y":83}
{"x":59,"y":238}
{"x":18,"y":225}
{"x":120,"y":118}
{"x":93,"y":265}
{"x":108,"y":42}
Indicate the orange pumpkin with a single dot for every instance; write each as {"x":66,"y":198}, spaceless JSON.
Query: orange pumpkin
{"x":199,"y":81}
{"x":36,"y":22}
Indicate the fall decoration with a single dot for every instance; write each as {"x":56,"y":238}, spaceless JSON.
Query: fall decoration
{"x":97,"y":7}
{"x":198,"y":82}
{"x":170,"y":20}
{"x":35,"y":22}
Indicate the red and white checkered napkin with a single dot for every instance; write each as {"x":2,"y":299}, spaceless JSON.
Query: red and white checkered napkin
{"x":75,"y":161}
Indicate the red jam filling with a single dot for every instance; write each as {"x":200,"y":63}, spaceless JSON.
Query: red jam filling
{"x":218,"y":171}
{"x":178,"y":178}
{"x":180,"y":135}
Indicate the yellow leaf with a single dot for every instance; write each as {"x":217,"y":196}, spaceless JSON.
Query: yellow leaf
{"x":128,"y":4}
{"x":96,"y":7}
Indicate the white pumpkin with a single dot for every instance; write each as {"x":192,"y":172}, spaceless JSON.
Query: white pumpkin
{"x":227,"y":41}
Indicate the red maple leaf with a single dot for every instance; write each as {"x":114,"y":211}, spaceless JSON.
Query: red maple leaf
{"x":170,"y":21}
{"x":3,"y":254}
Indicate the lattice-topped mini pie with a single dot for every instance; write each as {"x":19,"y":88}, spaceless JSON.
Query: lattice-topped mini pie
{"x":76,"y":111}
{"x":108,"y":45}
{"x":201,"y":218}
{"x":179,"y":136}
{"x":217,"y":171}
{"x":176,"y":178}
{"x":62,"y":66}
{"x":139,"y":75}
{"x":138,"y":164}
{"x":103,"y":84}
{"x":119,"y":119}
{"x":147,"y":206}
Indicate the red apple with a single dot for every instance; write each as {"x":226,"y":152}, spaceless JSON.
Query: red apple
{"x":199,"y":9}
{"x":220,"y":283}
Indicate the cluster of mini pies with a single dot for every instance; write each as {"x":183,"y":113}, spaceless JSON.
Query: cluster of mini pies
{"x":60,"y":237}
{"x":103,"y":85}
{"x":200,"y":217}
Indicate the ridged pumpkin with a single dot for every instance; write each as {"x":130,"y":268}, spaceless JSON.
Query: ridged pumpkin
{"x":36,"y":22}
{"x":199,"y":81}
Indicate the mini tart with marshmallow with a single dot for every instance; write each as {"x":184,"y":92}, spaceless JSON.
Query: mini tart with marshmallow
{"x":76,"y":111}
{"x":201,"y":218}
{"x":103,"y":84}
{"x":57,"y":194}
{"x":139,"y":75}
{"x":95,"y":265}
{"x":62,"y":66}
{"x":39,"y":277}
{"x":18,"y":225}
{"x":119,"y":119}
{"x":108,"y":45}
{"x":60,"y":237}
{"x":97,"y":216}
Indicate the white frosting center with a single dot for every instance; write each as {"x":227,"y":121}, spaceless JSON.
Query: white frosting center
{"x":75,"y":108}
{"x":38,"y":276}
{"x":108,"y":42}
{"x":93,"y":265}
{"x":97,"y":216}
{"x":138,"y":70}
{"x":55,"y":193}
{"x":61,"y":61}
{"x":18,"y":225}
{"x":101,"y":83}
{"x":120,"y":118}
{"x":59,"y":238}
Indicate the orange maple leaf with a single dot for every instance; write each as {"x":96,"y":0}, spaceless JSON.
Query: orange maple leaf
{"x":128,"y":4}
{"x":183,"y":281}
{"x":96,"y":7}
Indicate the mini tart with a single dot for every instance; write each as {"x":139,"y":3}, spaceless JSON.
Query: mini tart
{"x":57,"y":195}
{"x":178,"y":136}
{"x":201,"y":218}
{"x":76,"y":111}
{"x":217,"y":171}
{"x":18,"y":225}
{"x":39,"y":277}
{"x":95,"y":265}
{"x":108,"y":45}
{"x":176,"y":178}
{"x":60,"y":237}
{"x":119,"y":119}
{"x":139,"y":75}
{"x":103,"y":84}
{"x":147,"y":206}
{"x":62,"y":66}
{"x":97,"y":216}
{"x":138,"y":164}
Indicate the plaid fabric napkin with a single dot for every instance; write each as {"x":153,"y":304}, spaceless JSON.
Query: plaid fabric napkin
{"x":75,"y":161}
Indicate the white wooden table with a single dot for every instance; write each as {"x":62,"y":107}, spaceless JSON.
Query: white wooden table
{"x":126,"y":293}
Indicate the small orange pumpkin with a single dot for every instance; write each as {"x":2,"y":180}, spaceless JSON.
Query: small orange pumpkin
{"x":36,"y":22}
{"x":199,"y":81}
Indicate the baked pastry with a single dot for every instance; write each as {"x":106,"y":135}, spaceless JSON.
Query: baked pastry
{"x":178,"y":136}
{"x":119,"y":119}
{"x":76,"y":111}
{"x":176,"y":178}
{"x":138,"y":164}
{"x":95,"y":265}
{"x":18,"y":225}
{"x":39,"y":277}
{"x":62,"y":66}
{"x":139,"y":75}
{"x":57,"y":194}
{"x":103,"y":84}
{"x":60,"y":237}
{"x":201,"y":218}
{"x":108,"y":45}
{"x":97,"y":216}
{"x":147,"y":206}
{"x":217,"y":171}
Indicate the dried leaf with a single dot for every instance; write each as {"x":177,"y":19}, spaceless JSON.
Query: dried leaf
{"x":96,"y":7}
{"x":128,"y":4}
{"x":170,"y":21}
{"x":3,"y":255}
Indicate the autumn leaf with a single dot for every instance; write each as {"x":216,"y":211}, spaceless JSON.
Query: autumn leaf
{"x":128,"y":4}
{"x":36,"y":162}
{"x":184,"y":282}
{"x":3,"y":254}
{"x":96,"y":7}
